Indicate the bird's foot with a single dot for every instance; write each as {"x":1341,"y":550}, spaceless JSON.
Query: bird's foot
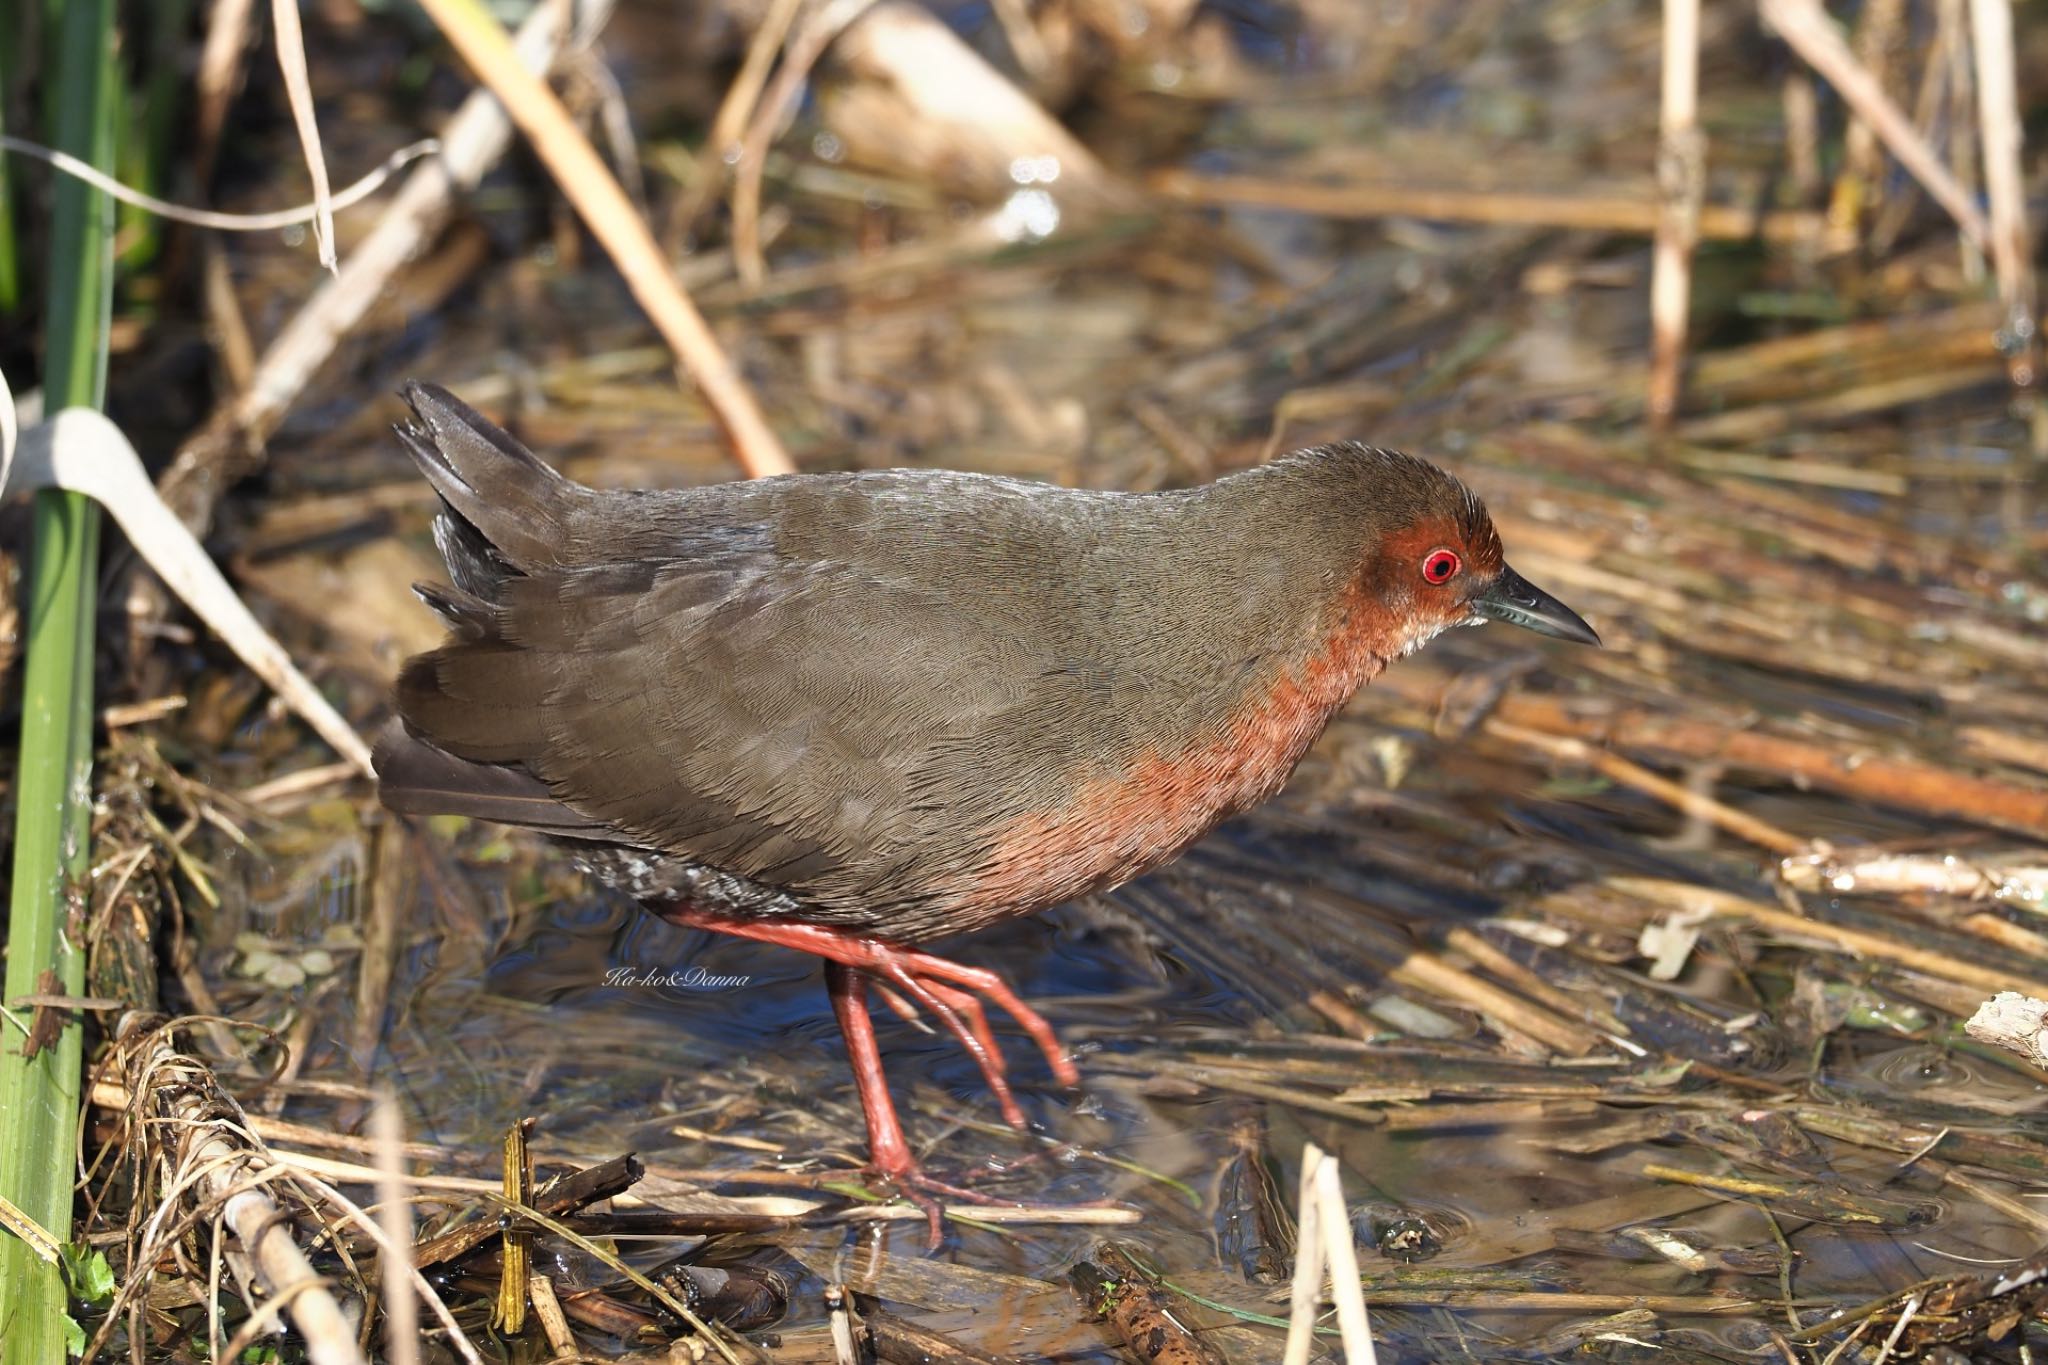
{"x":931,"y":1196}
{"x":903,"y":988}
{"x":911,"y":980}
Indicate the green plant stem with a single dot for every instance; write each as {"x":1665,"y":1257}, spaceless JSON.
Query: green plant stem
{"x":39,"y":1096}
{"x":10,"y":269}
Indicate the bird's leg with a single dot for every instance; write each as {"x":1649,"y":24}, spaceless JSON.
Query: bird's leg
{"x":982,"y":1046}
{"x":887,"y":1147}
{"x":886,"y":1143}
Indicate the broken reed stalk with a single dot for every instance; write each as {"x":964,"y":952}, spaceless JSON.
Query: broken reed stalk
{"x":401,"y":1307}
{"x":1323,"y":1243}
{"x":1681,"y":183}
{"x":40,"y":1086}
{"x":611,"y":218}
{"x":182,"y":1111}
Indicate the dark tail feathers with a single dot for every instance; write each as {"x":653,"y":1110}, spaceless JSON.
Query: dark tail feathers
{"x":503,"y":498}
{"x":416,"y":778}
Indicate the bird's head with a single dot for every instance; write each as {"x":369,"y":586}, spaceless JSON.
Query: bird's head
{"x":1435,"y":561}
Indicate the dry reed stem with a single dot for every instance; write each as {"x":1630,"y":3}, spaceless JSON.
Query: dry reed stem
{"x":1684,"y":799}
{"x":298,"y":89}
{"x":220,"y":69}
{"x":1489,"y":958}
{"x":82,"y":451}
{"x":1860,"y":185}
{"x":609,"y":215}
{"x":1998,"y":103}
{"x":2018,"y":878}
{"x":1426,"y":971}
{"x":1802,"y":135}
{"x":1342,"y":1253}
{"x":194,"y":1131}
{"x":1962,"y":145}
{"x":1681,"y":183}
{"x":553,"y":1324}
{"x":1806,"y":28}
{"x":1305,"y":1290}
{"x":382,"y":936}
{"x":394,"y":1215}
{"x":1378,"y":199}
{"x":918,"y":99}
{"x":1849,"y":770}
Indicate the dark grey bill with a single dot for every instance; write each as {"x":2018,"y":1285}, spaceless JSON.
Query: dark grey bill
{"x":1515,"y":600}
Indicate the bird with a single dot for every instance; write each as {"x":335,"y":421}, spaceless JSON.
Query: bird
{"x":853,"y":713}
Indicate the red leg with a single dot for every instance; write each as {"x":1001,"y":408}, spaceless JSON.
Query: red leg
{"x":886,"y":1143}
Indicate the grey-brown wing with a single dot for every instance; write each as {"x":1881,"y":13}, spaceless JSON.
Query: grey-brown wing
{"x":782,"y":722}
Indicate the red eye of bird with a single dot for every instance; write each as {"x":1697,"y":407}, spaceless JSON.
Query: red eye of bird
{"x":1441,"y":566}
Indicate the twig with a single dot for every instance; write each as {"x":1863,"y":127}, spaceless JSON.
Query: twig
{"x":800,"y":56}
{"x":226,"y":222}
{"x":610,"y":217}
{"x":722,"y":146}
{"x":1696,"y":804}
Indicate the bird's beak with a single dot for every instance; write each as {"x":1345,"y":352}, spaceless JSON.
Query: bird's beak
{"x":1515,"y":600}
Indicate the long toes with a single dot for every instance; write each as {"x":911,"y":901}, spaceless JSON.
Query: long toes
{"x":983,"y":982}
{"x":979,"y":1043}
{"x":990,"y":1058}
